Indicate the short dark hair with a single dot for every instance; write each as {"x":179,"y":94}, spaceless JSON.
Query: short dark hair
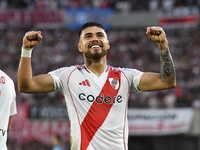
{"x":91,"y":24}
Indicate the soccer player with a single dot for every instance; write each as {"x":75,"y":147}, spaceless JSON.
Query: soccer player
{"x":96,"y":94}
{"x":7,"y":107}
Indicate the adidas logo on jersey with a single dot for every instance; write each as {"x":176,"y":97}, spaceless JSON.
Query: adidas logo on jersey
{"x":85,"y":83}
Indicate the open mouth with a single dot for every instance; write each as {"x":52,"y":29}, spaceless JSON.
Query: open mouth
{"x":95,"y":46}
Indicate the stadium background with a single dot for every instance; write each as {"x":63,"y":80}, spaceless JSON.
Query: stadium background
{"x":163,"y":120}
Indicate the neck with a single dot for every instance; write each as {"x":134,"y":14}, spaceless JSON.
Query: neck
{"x":96,"y":66}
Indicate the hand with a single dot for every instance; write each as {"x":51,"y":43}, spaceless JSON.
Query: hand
{"x":31,"y":39}
{"x":156,"y":34}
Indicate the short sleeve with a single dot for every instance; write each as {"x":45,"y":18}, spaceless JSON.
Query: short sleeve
{"x":134,"y":77}
{"x":13,"y":108}
{"x":60,"y":77}
{"x":56,"y":75}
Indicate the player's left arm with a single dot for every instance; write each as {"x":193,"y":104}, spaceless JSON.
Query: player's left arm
{"x":167,"y":77}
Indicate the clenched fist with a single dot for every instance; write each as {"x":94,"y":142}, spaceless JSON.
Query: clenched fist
{"x":156,"y":34}
{"x":31,"y":39}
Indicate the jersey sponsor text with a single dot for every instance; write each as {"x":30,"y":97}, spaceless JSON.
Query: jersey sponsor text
{"x":2,"y":132}
{"x":100,"y":99}
{"x":2,"y":80}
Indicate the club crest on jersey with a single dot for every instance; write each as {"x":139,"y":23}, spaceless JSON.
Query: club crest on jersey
{"x":114,"y":82}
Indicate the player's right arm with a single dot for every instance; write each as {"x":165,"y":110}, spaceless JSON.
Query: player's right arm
{"x":26,"y":82}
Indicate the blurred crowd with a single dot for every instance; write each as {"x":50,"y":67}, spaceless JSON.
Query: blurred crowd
{"x":129,"y":48}
{"x":118,"y":5}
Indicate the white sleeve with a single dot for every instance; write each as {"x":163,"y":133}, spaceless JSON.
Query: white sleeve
{"x":60,"y":77}
{"x":56,"y":75}
{"x":134,"y":77}
{"x":13,"y":108}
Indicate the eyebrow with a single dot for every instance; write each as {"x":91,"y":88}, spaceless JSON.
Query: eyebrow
{"x":100,"y":33}
{"x":91,"y":33}
{"x":87,"y":34}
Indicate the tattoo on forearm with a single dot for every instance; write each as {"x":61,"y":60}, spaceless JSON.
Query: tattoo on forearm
{"x":167,"y":65}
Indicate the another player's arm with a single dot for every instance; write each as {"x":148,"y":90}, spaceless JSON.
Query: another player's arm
{"x":9,"y":123}
{"x":167,"y":78}
{"x":26,"y":82}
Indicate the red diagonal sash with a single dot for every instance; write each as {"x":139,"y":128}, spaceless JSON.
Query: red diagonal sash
{"x":98,"y":112}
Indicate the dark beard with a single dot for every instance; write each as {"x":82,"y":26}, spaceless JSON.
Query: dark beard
{"x":95,"y":56}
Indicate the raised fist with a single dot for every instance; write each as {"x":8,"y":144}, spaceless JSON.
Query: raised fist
{"x":31,"y":39}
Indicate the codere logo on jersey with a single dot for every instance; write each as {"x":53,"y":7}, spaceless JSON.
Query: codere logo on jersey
{"x":114,"y":82}
{"x":101,"y":98}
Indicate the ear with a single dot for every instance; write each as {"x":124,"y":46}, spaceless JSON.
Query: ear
{"x":80,"y":47}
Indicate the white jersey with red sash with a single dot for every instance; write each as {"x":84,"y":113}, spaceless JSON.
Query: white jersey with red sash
{"x":97,"y":106}
{"x":7,"y":106}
